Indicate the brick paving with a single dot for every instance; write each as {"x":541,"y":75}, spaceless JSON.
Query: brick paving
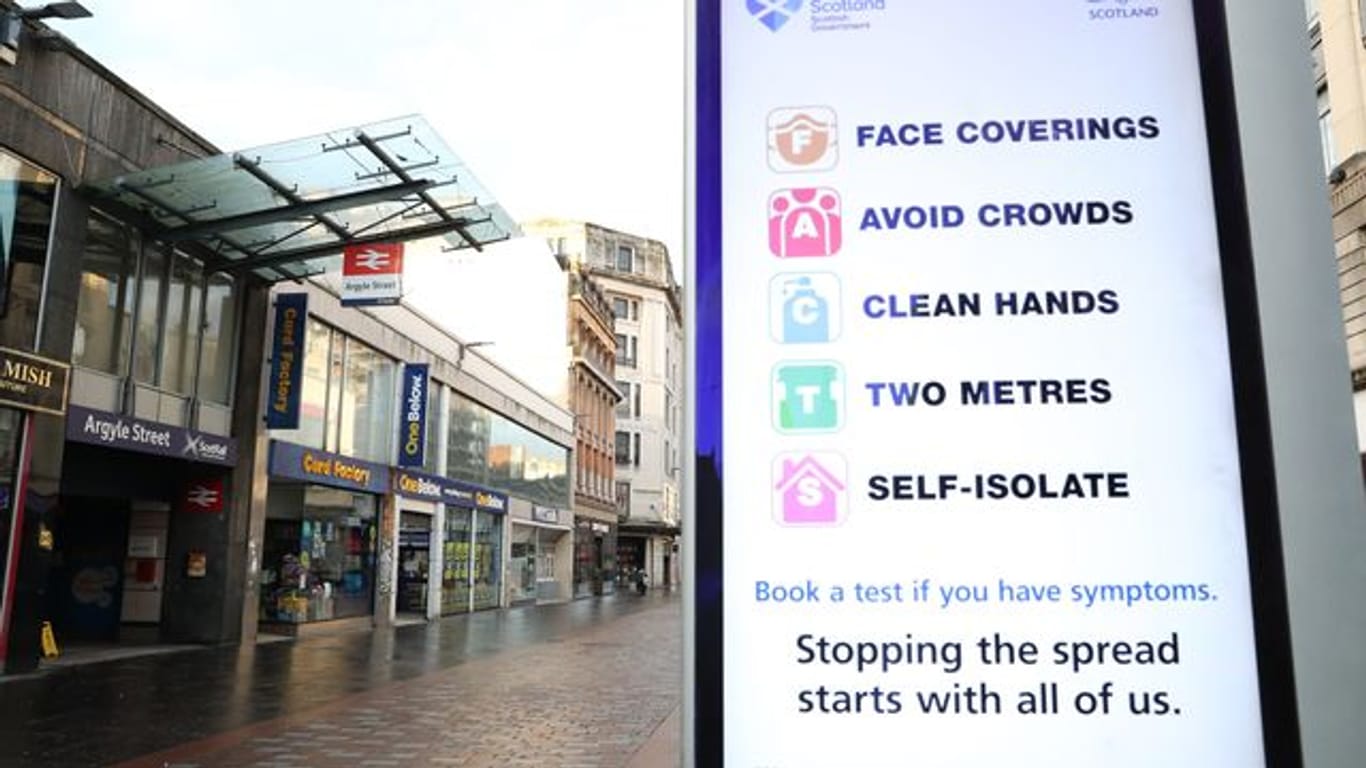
{"x":589,"y":700}
{"x":588,"y":695}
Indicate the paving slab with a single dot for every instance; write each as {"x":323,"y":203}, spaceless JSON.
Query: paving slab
{"x":587,"y":683}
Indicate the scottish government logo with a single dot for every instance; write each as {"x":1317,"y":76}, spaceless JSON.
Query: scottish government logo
{"x":773,"y":13}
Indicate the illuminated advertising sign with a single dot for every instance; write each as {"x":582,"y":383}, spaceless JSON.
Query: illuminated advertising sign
{"x":286,"y":361}
{"x":976,"y":345}
{"x":412,"y":437}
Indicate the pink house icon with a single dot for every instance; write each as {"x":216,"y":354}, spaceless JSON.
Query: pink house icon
{"x":809,"y":491}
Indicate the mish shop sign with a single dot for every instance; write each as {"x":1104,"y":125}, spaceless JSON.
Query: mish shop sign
{"x":33,"y":383}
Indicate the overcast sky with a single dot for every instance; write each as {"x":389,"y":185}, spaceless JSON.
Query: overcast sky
{"x":569,"y":108}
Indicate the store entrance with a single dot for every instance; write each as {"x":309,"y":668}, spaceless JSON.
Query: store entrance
{"x":414,"y":564}
{"x":108,"y":570}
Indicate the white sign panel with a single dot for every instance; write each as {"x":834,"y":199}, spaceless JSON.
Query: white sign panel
{"x":372,"y":274}
{"x":983,"y":491}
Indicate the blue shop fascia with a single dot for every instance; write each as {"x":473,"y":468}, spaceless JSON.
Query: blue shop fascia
{"x":349,"y":539}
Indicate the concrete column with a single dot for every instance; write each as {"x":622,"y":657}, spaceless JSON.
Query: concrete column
{"x":436,"y":563}
{"x":250,"y":479}
{"x":1318,"y":470}
{"x":386,"y":569}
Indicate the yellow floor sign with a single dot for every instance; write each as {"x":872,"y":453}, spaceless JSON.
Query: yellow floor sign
{"x":50,"y":650}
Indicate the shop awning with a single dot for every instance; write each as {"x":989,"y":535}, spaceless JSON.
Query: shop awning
{"x":285,"y":210}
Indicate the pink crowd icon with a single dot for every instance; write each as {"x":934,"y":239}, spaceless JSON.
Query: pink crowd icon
{"x":804,"y":222}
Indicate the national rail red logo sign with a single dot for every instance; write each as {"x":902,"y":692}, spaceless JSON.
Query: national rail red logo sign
{"x":204,"y":496}
{"x":372,"y":274}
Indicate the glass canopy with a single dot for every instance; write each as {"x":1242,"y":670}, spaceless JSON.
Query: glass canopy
{"x":286,"y":210}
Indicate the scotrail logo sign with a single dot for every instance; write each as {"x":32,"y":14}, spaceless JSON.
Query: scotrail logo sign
{"x":773,"y":13}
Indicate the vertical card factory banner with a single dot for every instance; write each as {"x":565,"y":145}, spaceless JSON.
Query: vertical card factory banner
{"x":287,"y":360}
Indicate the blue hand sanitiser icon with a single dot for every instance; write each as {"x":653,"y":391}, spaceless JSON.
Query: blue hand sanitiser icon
{"x":804,"y":308}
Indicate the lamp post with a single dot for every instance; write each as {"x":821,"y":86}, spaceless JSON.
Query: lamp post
{"x":460,"y":361}
{"x":12,"y":24}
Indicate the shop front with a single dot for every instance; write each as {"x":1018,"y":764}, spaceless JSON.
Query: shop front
{"x":652,"y":548}
{"x":413,"y":595}
{"x":470,"y":521}
{"x":540,"y":561}
{"x":595,"y":557}
{"x":139,"y":531}
{"x":320,"y":553}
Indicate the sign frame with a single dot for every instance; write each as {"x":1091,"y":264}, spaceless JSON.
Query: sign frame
{"x":412,"y":432}
{"x":127,"y":433}
{"x":289,"y":341}
{"x":55,"y":406}
{"x":705,"y":699}
{"x":361,"y":265}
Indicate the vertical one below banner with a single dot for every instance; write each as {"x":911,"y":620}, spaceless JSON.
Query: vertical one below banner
{"x":412,"y":439}
{"x":286,"y":361}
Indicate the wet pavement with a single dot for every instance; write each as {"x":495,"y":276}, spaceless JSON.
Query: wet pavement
{"x":585,"y":683}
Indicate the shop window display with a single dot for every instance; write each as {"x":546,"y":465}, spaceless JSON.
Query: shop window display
{"x":471,"y":562}
{"x":455,"y":562}
{"x":522,"y":570}
{"x":488,"y":543}
{"x":321,"y":566}
{"x":595,"y":554}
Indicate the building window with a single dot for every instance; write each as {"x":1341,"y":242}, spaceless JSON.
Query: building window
{"x":635,"y":402}
{"x":313,"y":389}
{"x":180,"y":331}
{"x":636,"y":458}
{"x":27,"y":195}
{"x":369,"y":390}
{"x":487,"y":448}
{"x":624,"y":406}
{"x":149,"y":316}
{"x":626,"y":258}
{"x":104,"y":310}
{"x":216,"y":348}
{"x":623,"y":498}
{"x":433,"y":437}
{"x":624,"y":308}
{"x":623,"y":448}
{"x":626,"y":350}
{"x":163,"y":320}
{"x":1326,"y":130}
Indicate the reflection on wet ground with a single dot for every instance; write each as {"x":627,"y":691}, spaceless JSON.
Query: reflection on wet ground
{"x":105,"y":712}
